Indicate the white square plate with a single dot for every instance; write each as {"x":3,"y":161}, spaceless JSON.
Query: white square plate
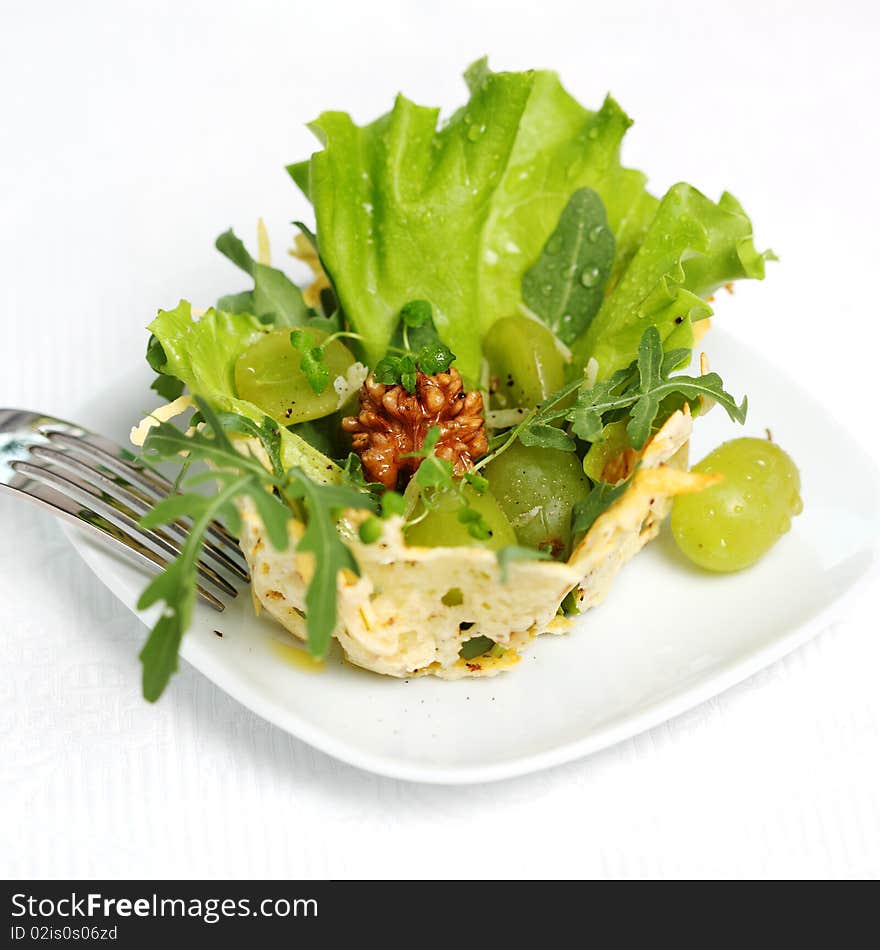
{"x":668,"y":637}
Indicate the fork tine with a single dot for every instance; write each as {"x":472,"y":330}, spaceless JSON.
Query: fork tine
{"x":136,"y":503}
{"x":103,"y":506}
{"x":123,"y":463}
{"x":85,"y":518}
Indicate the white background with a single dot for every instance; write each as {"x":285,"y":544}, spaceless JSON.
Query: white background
{"x":130,"y":136}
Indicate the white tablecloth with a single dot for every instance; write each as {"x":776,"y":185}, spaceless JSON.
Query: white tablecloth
{"x":129,"y":138}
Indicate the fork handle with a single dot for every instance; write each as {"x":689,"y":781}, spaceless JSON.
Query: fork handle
{"x":104,"y":532}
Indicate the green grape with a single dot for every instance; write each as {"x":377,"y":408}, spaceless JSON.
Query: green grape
{"x":729,"y":526}
{"x":537,"y":488}
{"x":442,"y":526}
{"x":268,"y":374}
{"x":614,"y":442}
{"x":523,"y":357}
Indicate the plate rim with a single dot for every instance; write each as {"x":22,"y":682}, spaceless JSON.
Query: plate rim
{"x":602,"y":737}
{"x":626,"y":727}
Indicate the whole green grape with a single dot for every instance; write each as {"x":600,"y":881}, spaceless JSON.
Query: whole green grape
{"x":537,"y":489}
{"x":731,"y":525}
{"x":441,"y":526}
{"x":268,"y":374}
{"x":523,"y":357}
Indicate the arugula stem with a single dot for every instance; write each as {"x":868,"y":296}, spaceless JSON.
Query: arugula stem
{"x":529,"y":418}
{"x":339,"y":335}
{"x":414,"y":521}
{"x":512,"y":437}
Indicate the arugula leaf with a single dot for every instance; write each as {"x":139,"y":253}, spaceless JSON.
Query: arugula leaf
{"x":330,"y":553}
{"x":516,"y":552}
{"x":242,"y":302}
{"x":273,"y":512}
{"x":566,"y":285}
{"x":601,"y":498}
{"x":594,"y":402}
{"x":274,"y":293}
{"x":240,"y":475}
{"x":232,"y":247}
{"x":165,"y":442}
{"x":533,"y":426}
{"x":707,"y":387}
{"x":268,"y":432}
{"x":650,"y":363}
{"x":638,"y":391}
{"x":159,"y":653}
{"x":176,"y":585}
{"x":547,"y":437}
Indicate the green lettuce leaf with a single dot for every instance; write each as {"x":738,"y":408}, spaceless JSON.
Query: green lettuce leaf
{"x":691,"y":248}
{"x":456,"y":215}
{"x":201,"y":352}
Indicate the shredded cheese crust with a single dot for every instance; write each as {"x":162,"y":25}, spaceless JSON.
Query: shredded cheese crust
{"x":412,"y":608}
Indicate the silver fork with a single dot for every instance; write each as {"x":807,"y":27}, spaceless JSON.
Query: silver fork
{"x":97,"y":485}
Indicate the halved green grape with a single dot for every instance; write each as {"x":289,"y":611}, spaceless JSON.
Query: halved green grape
{"x":537,"y":488}
{"x":269,"y":375}
{"x":731,"y":525}
{"x":614,"y":442}
{"x":442,"y":526}
{"x":524,"y":358}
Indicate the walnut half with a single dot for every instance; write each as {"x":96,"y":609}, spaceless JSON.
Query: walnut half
{"x":393,"y":422}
